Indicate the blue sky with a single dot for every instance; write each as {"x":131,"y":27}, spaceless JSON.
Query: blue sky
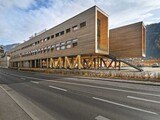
{"x":20,"y":19}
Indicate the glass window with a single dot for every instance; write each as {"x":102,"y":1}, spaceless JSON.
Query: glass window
{"x":52,"y":47}
{"x":63,"y":45}
{"x":48,"y":48}
{"x":68,"y":30}
{"x":98,"y":32}
{"x":58,"y":46}
{"x":75,"y":42}
{"x":62,"y":32}
{"x":45,"y":39}
{"x":75,"y":27}
{"x":52,"y":36}
{"x":83,"y":24}
{"x":48,"y":38}
{"x":69,"y":44}
{"x":57,"y":34}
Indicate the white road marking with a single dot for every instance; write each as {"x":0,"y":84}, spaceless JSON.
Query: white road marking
{"x":101,"y":118}
{"x":23,"y":79}
{"x":58,"y":88}
{"x":106,"y":88}
{"x":35,"y":82}
{"x":126,"y":106}
{"x":143,"y":99}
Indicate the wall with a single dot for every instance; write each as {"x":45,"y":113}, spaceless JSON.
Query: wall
{"x":128,"y":41}
{"x":85,"y":36}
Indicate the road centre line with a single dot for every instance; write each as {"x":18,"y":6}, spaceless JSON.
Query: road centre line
{"x":143,"y":99}
{"x":93,"y":86}
{"x":106,"y":88}
{"x":58,"y":88}
{"x":126,"y":106}
{"x":101,"y":118}
{"x":23,"y":79}
{"x":35,"y":82}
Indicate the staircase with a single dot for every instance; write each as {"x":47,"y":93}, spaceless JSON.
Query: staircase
{"x":125,"y":62}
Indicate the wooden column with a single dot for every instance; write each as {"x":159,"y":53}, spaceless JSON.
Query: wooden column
{"x":47,"y":63}
{"x":40,"y":63}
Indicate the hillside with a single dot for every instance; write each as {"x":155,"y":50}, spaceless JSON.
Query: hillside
{"x":9,"y":47}
{"x":153,"y":40}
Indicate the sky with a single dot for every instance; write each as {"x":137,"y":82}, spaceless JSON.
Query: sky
{"x":20,"y":19}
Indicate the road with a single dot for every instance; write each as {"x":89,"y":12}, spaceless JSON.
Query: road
{"x":49,"y":96}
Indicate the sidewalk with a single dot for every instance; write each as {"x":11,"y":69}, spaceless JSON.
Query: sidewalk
{"x":9,"y":110}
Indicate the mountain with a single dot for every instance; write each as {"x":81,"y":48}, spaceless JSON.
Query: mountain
{"x":153,"y":40}
{"x":10,"y":46}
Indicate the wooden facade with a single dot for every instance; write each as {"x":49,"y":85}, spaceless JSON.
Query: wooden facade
{"x":76,"y":36}
{"x":81,"y":42}
{"x":128,"y":41}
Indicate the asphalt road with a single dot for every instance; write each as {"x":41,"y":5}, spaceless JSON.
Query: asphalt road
{"x":69,"y":98}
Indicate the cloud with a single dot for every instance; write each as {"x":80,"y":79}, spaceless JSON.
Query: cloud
{"x":21,"y":19}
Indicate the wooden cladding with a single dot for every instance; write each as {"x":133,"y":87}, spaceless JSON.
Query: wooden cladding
{"x":85,"y":34}
{"x":102,"y":33}
{"x":128,"y":41}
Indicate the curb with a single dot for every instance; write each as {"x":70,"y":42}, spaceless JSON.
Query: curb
{"x":122,"y":81}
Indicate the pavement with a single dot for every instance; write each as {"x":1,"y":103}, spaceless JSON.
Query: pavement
{"x":48,"y":96}
{"x":9,"y":109}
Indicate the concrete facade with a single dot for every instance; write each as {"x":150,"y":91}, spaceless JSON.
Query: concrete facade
{"x":4,"y":60}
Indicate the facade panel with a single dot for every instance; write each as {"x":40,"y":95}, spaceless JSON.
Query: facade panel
{"x":128,"y":41}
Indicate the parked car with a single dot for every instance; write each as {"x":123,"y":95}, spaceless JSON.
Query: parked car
{"x":155,"y":65}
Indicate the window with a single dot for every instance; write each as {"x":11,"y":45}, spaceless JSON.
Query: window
{"x":48,"y":38}
{"x":45,"y":49}
{"x":75,"y":27}
{"x":75,"y":42}
{"x":69,"y":44}
{"x":45,"y":39}
{"x":41,"y":50}
{"x":52,"y":36}
{"x":57,"y":34}
{"x":52,"y":47}
{"x":98,"y":32}
{"x":48,"y":48}
{"x":63,"y":45}
{"x":83,"y":24}
{"x":58,"y":46}
{"x":62,"y":32}
{"x":36,"y":51}
{"x":68,"y":30}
